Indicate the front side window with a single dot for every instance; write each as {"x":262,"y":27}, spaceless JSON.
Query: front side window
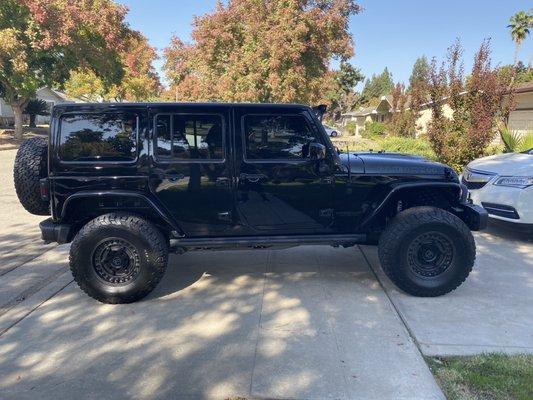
{"x":98,"y":137}
{"x":277,"y":137}
{"x":189,"y":137}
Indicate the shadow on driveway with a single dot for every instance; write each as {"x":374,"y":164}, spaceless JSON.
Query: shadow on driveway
{"x":307,"y":323}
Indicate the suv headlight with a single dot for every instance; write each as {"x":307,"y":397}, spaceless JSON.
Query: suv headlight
{"x":477,"y":176}
{"x":515,"y":181}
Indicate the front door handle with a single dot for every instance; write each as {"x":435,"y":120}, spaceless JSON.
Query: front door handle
{"x":253,"y":178}
{"x":174,"y":177}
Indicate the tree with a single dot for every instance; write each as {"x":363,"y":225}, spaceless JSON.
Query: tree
{"x":266,"y":51}
{"x":477,"y":104}
{"x":520,"y":23}
{"x":42,"y":40}
{"x":403,"y":120}
{"x":341,"y":94}
{"x":36,"y":107}
{"x":377,"y":86}
{"x":85,"y":84}
{"x":140,"y":81}
{"x":420,"y":72}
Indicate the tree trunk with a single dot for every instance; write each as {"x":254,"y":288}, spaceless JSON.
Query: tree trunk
{"x":32,"y":120}
{"x":516,"y":52}
{"x":17,"y":111}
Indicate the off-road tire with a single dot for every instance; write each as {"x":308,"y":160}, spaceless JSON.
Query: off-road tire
{"x":31,"y":166}
{"x":148,"y":241}
{"x":396,"y":241}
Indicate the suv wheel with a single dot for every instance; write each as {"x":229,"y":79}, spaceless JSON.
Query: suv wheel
{"x":427,"y":251}
{"x":118,"y":258}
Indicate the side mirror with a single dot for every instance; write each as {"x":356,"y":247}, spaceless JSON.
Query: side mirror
{"x":317,"y":151}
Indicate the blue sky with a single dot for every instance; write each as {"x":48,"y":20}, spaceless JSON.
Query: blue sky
{"x":387,"y":33}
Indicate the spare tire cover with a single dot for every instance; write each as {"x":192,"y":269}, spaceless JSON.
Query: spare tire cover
{"x":30,"y":167}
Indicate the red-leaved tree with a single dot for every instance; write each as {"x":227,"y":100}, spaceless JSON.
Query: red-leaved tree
{"x":257,"y":50}
{"x":477,"y":102}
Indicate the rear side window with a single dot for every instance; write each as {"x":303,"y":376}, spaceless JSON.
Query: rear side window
{"x":98,"y":137}
{"x":276,"y":137}
{"x":189,"y":137}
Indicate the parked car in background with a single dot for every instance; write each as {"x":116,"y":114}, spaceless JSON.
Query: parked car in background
{"x":503,"y":185}
{"x":332,"y":132}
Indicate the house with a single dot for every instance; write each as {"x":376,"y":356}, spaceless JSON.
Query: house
{"x":520,"y":119}
{"x":379,"y":113}
{"x":50,"y":96}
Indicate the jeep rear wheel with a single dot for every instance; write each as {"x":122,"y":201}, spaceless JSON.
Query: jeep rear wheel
{"x":30,"y":167}
{"x":427,"y":251}
{"x":118,"y":258}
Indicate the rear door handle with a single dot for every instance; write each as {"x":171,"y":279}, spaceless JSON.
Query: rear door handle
{"x":253,"y":178}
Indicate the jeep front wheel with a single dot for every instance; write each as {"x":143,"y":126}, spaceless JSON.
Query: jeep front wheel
{"x":118,"y":258}
{"x":427,"y":251}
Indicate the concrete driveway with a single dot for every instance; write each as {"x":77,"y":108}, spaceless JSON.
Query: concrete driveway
{"x":304,"y":323}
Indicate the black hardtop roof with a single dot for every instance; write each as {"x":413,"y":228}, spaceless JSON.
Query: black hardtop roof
{"x":191,"y":105}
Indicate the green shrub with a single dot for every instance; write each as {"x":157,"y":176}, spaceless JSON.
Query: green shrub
{"x":396,"y":144}
{"x":494,"y":148}
{"x":513,"y":141}
{"x":374,"y":129}
{"x":351,"y":127}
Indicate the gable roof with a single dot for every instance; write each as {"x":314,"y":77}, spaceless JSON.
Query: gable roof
{"x":364,"y":111}
{"x":524,"y":87}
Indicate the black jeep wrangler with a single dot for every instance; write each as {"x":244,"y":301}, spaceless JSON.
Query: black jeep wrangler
{"x":128,"y":183}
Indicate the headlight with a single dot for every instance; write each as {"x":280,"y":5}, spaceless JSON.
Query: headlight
{"x":515,"y":181}
{"x":477,"y":176}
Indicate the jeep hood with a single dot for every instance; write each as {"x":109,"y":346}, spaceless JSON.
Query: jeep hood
{"x":391,"y":163}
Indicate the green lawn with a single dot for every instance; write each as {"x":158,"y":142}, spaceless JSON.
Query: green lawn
{"x":485,"y":377}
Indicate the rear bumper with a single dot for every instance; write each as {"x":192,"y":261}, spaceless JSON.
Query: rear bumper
{"x":54,"y":232}
{"x":474,"y":216}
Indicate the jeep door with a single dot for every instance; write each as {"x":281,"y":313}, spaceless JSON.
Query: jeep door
{"x":280,"y":189}
{"x":190,"y":171}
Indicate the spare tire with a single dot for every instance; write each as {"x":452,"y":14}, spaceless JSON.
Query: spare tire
{"x":31,"y":166}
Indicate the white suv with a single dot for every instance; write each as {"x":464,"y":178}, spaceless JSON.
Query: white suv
{"x":503,"y":185}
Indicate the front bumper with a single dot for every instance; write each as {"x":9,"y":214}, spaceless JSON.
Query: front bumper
{"x":512,"y":205}
{"x":474,"y":216}
{"x":54,"y":232}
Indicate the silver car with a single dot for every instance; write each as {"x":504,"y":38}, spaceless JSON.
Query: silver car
{"x":332,"y":132}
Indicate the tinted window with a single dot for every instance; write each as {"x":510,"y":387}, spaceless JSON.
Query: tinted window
{"x":276,"y":137}
{"x":189,"y":136}
{"x":98,"y":137}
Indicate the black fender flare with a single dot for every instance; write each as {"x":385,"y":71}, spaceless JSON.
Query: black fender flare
{"x":397,"y":188}
{"x":153,"y":204}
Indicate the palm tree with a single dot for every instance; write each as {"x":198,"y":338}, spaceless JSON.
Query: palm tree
{"x":520,"y":23}
{"x":36,"y":107}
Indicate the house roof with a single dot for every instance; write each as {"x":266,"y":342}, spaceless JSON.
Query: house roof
{"x":364,"y":111}
{"x":59,"y":94}
{"x":524,"y":87}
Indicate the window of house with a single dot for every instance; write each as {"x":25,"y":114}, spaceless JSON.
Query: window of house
{"x":189,"y":137}
{"x":276,"y":137}
{"x":98,"y":137}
